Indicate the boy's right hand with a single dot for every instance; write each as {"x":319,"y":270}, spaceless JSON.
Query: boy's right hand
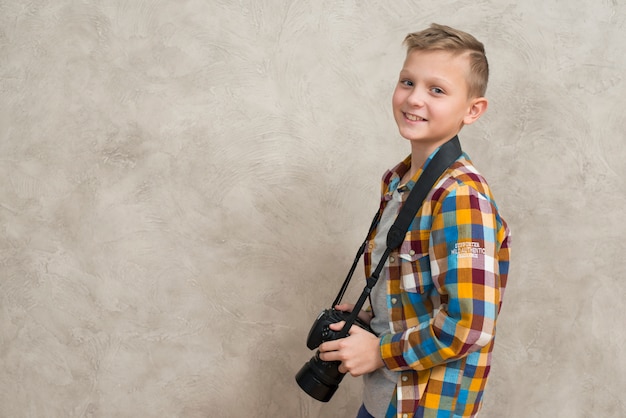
{"x":364,"y":316}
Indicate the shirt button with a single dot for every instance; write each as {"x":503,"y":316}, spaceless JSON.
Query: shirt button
{"x":394,"y":301}
{"x":405,"y":415}
{"x":404,"y":378}
{"x":412,"y":252}
{"x":391,"y":259}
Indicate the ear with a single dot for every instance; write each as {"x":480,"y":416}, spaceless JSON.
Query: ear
{"x":478,"y":106}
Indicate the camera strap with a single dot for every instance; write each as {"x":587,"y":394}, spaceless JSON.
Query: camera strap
{"x":448,"y":153}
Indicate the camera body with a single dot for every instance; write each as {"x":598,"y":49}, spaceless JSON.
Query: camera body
{"x":320,"y":332}
{"x":320,"y":379}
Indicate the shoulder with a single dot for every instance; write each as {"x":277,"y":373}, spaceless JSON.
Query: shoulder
{"x":462,"y":178}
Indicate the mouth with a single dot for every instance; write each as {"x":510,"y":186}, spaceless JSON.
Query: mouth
{"x":414,"y":118}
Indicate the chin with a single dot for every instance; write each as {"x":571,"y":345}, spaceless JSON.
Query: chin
{"x":411,"y":137}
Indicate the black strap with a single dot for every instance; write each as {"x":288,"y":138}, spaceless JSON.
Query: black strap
{"x":448,"y":153}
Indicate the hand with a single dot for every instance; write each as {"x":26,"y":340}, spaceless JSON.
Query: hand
{"x":363,"y":315}
{"x":359,"y":352}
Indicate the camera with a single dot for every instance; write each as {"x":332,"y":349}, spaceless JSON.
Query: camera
{"x":320,"y":379}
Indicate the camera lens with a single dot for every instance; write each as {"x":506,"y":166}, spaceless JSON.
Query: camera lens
{"x":319,"y":379}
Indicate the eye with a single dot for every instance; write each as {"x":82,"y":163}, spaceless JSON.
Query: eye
{"x":437,"y":90}
{"x":407,"y":83}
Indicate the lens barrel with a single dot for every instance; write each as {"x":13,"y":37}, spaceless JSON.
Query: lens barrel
{"x":320,"y":379}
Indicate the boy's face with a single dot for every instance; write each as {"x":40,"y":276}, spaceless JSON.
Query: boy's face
{"x":430,"y":102}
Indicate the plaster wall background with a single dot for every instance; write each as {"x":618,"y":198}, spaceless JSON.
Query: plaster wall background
{"x":183,"y":185}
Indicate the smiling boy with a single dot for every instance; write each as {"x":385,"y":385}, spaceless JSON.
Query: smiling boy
{"x":435,"y":305}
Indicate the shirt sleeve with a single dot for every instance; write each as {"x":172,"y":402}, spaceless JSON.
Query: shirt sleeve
{"x":463,"y":250}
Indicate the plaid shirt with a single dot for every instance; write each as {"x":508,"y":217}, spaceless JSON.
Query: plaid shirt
{"x":444,"y":291}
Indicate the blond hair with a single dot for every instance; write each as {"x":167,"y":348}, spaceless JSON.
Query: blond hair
{"x":444,"y":38}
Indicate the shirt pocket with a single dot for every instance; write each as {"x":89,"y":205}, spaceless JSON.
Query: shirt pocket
{"x":415,"y":274}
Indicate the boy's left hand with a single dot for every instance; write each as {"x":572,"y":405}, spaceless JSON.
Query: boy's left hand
{"x":359,"y":352}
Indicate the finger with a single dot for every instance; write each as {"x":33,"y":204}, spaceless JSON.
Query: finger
{"x":342,"y":369}
{"x":329,"y":356}
{"x":346,"y":307}
{"x":337,"y":326}
{"x":327,"y":347}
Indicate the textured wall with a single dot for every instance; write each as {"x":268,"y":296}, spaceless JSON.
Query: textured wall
{"x":184,"y":183}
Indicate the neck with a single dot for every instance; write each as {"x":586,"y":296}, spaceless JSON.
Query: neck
{"x":419,"y":154}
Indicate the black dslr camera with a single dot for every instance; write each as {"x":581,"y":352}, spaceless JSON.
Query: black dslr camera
{"x":320,"y":379}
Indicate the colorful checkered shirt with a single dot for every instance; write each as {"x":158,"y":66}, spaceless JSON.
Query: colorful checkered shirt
{"x":444,"y":291}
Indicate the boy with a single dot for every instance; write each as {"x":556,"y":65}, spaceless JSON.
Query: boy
{"x":435,"y":305}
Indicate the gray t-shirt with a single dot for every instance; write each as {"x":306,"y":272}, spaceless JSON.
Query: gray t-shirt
{"x":380,"y":384}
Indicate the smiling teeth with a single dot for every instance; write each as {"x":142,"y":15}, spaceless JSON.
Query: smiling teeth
{"x":413,"y":118}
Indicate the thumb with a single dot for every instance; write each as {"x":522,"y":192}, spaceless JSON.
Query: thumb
{"x":337,"y":326}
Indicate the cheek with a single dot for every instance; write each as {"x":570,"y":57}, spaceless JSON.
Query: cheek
{"x":396,"y":99}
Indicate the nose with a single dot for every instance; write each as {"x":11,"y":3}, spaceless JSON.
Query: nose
{"x":416,"y":98}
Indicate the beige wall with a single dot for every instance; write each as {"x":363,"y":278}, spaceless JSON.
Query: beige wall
{"x":184,"y":184}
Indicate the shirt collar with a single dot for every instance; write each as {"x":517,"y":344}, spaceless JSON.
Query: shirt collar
{"x":393,"y":176}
